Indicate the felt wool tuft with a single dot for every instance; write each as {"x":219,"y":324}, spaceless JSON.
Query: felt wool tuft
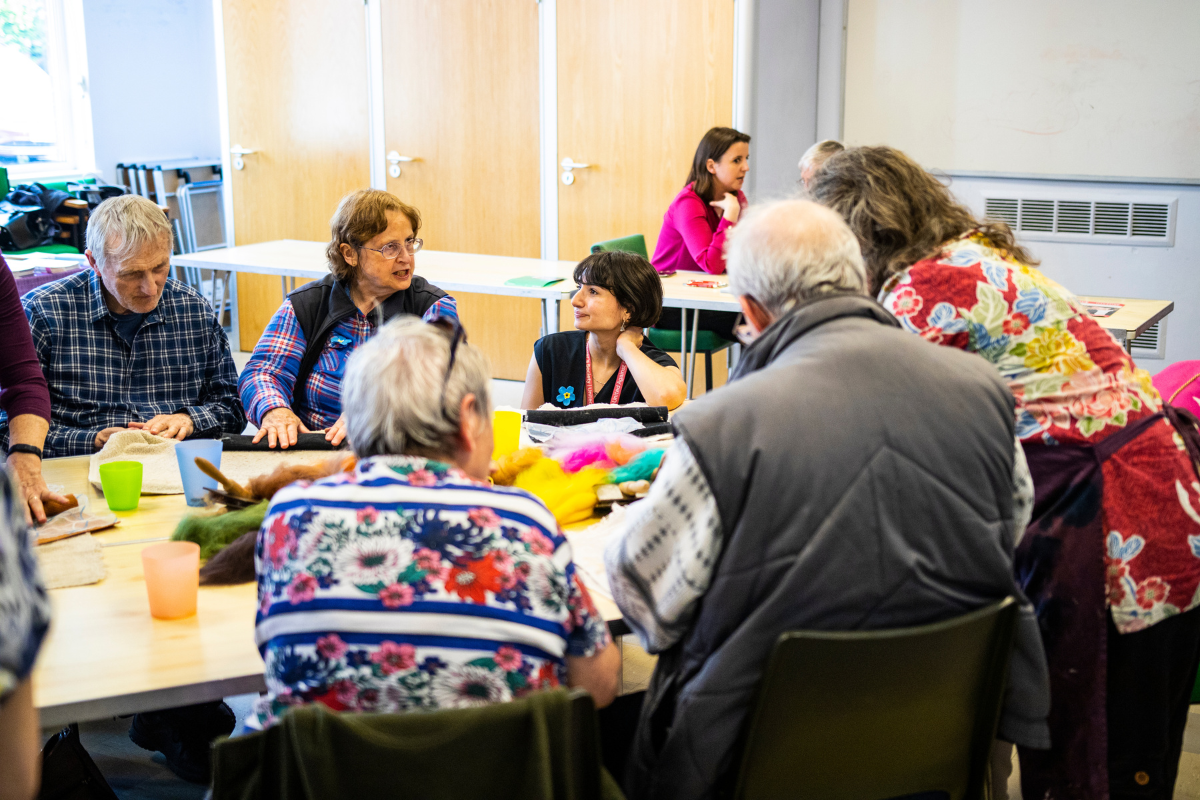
{"x":213,"y":533}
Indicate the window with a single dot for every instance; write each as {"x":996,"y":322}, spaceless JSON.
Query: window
{"x":46,"y":118}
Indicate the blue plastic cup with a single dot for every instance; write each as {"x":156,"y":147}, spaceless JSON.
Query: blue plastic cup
{"x":195,"y":482}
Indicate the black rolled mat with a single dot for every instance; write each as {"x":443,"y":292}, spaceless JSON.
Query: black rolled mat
{"x":304,"y":441}
{"x":580,"y":416}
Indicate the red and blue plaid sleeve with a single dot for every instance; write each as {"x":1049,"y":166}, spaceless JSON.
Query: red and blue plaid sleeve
{"x":269,"y":379}
{"x":446,"y":307}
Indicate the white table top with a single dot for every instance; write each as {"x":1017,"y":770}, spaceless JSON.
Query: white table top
{"x":463,"y":272}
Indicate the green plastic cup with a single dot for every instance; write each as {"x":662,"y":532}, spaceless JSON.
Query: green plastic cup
{"x":122,"y":482}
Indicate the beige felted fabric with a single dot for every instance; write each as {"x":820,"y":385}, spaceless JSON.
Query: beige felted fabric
{"x":160,"y":467}
{"x":160,"y":470}
{"x":77,"y":561}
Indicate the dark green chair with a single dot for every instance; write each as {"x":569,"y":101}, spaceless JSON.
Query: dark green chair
{"x":869,"y":715}
{"x":671,"y":341}
{"x":74,"y":221}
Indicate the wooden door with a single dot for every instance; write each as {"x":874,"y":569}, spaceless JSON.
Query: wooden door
{"x":296,"y":73}
{"x":639,"y":82}
{"x":461,"y":97}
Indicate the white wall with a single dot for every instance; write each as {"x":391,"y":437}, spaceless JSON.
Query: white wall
{"x":152,"y":71}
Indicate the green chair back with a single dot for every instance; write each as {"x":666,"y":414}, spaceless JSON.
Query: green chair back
{"x":878,"y":714}
{"x":1196,"y":690}
{"x":628,"y":244}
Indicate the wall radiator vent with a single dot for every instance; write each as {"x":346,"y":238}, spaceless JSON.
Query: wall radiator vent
{"x":1093,"y":221}
{"x":1152,"y":343}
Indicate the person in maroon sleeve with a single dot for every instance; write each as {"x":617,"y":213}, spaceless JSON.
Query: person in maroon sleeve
{"x":25,"y":398}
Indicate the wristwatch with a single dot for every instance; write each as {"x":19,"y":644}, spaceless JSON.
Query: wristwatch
{"x":25,"y":448}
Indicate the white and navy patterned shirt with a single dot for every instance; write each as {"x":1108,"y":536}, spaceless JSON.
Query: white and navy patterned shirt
{"x":406,"y":585}
{"x":179,"y":361}
{"x":24,"y":606}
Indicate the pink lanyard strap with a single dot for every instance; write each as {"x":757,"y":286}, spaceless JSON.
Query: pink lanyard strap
{"x":622,"y":371}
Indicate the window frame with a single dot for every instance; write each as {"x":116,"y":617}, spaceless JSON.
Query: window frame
{"x":67,"y":57}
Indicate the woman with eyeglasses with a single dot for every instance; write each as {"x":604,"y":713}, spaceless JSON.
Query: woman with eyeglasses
{"x":606,"y":359}
{"x":293,"y":381}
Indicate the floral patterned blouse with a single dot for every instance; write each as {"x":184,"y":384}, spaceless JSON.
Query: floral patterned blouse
{"x":407,"y":585}
{"x":1073,"y":384}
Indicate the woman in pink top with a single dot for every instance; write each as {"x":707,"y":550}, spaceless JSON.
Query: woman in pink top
{"x":694,"y":227}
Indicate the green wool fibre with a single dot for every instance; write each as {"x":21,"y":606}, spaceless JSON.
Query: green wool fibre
{"x":213,"y":533}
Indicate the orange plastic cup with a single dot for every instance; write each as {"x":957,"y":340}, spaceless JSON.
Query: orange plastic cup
{"x":172,"y":571}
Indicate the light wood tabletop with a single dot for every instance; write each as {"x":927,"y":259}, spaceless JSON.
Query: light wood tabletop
{"x":1132,"y":318}
{"x":105,"y":655}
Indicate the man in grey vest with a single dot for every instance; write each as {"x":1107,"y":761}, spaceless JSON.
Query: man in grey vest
{"x":851,"y":476}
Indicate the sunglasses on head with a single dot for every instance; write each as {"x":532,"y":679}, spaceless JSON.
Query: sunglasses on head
{"x":453,"y":329}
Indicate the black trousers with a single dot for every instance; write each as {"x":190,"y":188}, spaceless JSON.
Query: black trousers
{"x":1150,"y":679}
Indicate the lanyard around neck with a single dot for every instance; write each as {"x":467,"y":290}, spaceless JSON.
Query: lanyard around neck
{"x":622,"y":371}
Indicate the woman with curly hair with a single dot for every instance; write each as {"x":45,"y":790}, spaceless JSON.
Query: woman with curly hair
{"x":1111,"y":558}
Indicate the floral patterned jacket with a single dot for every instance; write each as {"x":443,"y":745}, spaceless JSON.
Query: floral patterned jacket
{"x":407,"y":585}
{"x":1073,"y":384}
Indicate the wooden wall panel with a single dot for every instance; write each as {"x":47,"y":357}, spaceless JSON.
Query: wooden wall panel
{"x":296,"y":72}
{"x":461,"y":96}
{"x":639,"y":82}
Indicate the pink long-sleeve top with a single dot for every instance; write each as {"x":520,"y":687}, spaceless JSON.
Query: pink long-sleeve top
{"x":692,"y":235}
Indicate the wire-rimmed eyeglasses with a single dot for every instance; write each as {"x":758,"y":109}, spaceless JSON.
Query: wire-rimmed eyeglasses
{"x":391,"y":250}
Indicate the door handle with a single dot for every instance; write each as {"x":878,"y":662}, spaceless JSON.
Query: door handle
{"x":394,"y":158}
{"x":568,"y":177}
{"x":237,"y":151}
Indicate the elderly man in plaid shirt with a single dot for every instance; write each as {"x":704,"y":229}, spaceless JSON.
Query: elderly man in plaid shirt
{"x":123,"y":346}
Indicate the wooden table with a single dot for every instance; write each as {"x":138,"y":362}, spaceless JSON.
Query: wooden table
{"x":1133,"y":318}
{"x":105,"y":655}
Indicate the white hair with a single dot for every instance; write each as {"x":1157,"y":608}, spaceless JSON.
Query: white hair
{"x":393,"y":394}
{"x":121,"y":226}
{"x":819,"y":153}
{"x":789,"y":251}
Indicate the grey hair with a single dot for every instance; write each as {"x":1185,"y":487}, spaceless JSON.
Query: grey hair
{"x":121,"y":226}
{"x":820,"y":152}
{"x":392,"y":393}
{"x":789,"y":251}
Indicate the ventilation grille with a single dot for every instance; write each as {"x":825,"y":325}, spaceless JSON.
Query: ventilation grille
{"x":1152,"y":343}
{"x":1099,"y":221}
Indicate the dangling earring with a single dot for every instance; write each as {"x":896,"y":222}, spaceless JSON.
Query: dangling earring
{"x":624,"y":322}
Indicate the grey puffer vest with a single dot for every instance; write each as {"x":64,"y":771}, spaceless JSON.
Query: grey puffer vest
{"x":864,"y":481}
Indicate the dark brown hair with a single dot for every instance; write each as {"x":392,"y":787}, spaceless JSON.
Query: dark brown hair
{"x":899,"y":212}
{"x":630,"y":278}
{"x":360,"y":217}
{"x":713,"y":145}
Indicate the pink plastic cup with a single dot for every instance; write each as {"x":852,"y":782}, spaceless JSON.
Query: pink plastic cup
{"x":172,"y":571}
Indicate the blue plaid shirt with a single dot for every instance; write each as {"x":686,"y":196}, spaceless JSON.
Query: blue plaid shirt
{"x":179,"y":362}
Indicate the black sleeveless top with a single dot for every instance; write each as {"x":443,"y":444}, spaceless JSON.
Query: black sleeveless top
{"x":562,"y":358}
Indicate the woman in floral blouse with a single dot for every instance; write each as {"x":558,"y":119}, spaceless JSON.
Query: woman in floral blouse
{"x":412,"y":583}
{"x":1111,"y":559}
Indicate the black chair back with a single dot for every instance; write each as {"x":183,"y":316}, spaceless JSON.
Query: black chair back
{"x":880,"y":714}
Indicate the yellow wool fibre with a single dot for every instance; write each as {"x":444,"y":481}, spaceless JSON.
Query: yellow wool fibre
{"x":508,"y":467}
{"x":571,"y":498}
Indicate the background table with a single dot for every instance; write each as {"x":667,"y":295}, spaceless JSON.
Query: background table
{"x":105,"y":655}
{"x":463,"y":272}
{"x":1133,"y":318}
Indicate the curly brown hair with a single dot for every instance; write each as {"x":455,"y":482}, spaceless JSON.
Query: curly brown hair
{"x":900,"y":213}
{"x":360,"y":217}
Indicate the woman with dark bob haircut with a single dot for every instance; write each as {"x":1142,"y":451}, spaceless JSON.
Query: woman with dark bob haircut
{"x":1109,"y":558}
{"x":606,"y":359}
